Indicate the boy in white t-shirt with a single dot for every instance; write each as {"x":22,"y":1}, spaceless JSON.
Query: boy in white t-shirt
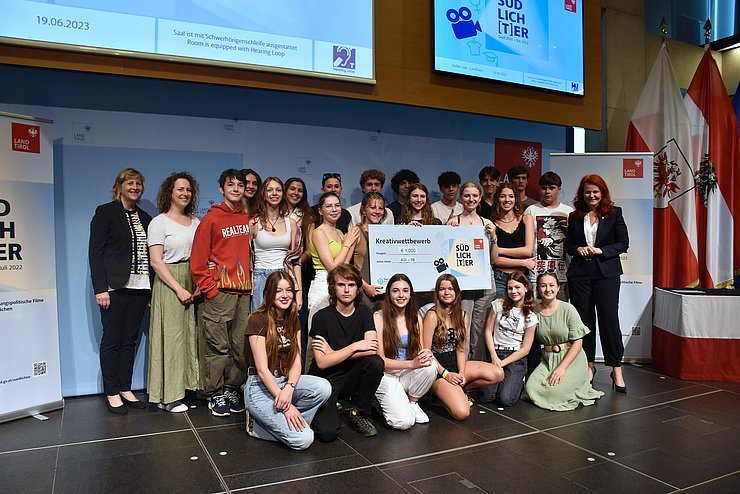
{"x":551,"y":225}
{"x":448,"y":206}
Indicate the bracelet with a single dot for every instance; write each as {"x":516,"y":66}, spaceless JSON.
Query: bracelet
{"x":493,"y":240}
{"x":290,"y":384}
{"x":444,"y":373}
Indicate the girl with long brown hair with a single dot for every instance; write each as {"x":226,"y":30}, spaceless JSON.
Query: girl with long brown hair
{"x":273,"y":238}
{"x":409,"y":370}
{"x":509,"y":334}
{"x":515,"y":237}
{"x":281,"y":403}
{"x":445,"y":335}
{"x":418,"y":210}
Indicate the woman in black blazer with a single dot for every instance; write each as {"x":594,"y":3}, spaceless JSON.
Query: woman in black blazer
{"x":597,"y":235}
{"x":119,"y":267}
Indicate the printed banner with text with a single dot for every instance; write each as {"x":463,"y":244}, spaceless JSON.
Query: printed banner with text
{"x":629,"y":177}
{"x":30,"y":380}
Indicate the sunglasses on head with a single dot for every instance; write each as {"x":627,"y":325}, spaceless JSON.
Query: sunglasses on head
{"x":327,"y":176}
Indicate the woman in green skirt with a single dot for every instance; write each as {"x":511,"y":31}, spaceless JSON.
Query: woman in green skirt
{"x":561,"y":381}
{"x":173,"y":338}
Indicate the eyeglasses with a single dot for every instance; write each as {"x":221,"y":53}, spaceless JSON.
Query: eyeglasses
{"x":327,"y":176}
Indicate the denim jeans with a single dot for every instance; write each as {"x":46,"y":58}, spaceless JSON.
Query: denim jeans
{"x":270,"y":424}
{"x":502,"y":277}
{"x":481,"y":308}
{"x":259,"y":278}
{"x":507,"y":392}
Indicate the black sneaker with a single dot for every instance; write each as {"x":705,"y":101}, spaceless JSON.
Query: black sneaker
{"x":362,"y":424}
{"x":236,"y":404}
{"x":218,"y":405}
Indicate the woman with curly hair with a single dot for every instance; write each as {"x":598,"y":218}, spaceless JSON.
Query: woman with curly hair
{"x":281,"y":403}
{"x":509,"y":334}
{"x":173,"y":338}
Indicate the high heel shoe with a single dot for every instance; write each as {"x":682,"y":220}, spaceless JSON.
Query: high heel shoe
{"x":592,"y":375}
{"x":618,"y":389}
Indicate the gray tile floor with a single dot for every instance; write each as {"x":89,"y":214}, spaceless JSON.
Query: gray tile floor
{"x":665,"y":436}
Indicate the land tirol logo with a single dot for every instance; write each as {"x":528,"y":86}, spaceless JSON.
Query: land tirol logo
{"x":26,"y":138}
{"x":570,"y":6}
{"x":632,"y":168}
{"x":345,"y":58}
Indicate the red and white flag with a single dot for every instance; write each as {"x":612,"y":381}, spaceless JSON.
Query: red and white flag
{"x":716,"y":156}
{"x":661,"y":125}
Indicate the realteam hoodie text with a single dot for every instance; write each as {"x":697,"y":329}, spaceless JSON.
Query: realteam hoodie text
{"x":222,"y":237}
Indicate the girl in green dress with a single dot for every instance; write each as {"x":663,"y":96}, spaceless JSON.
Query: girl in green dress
{"x":561,"y":381}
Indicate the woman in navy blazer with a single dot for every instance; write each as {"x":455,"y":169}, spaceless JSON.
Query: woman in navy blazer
{"x":597,"y":235}
{"x":119,"y":267}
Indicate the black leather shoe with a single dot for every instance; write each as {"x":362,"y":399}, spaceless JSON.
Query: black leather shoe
{"x":119,"y":410}
{"x":138,"y":404}
{"x":618,"y":389}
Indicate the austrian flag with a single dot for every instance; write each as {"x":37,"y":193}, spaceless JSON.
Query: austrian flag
{"x":716,"y":155}
{"x":661,"y":125}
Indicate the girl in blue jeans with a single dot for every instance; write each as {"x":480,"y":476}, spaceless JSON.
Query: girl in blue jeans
{"x":281,"y":403}
{"x":509,"y":335}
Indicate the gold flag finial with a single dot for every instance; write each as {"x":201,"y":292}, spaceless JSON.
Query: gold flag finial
{"x":663,"y":30}
{"x":707,"y":31}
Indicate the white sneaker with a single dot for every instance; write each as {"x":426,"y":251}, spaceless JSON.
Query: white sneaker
{"x":419,"y":416}
{"x":175,"y":407}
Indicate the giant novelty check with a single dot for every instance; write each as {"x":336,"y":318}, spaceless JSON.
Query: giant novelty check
{"x":424,"y":253}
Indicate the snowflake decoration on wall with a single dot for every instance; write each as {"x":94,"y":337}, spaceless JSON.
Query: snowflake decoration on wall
{"x":530,"y":155}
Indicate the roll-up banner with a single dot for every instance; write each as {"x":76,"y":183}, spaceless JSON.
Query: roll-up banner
{"x":30,"y":379}
{"x":629,"y":177}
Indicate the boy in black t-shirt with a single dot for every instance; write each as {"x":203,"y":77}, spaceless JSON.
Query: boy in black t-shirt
{"x":345,"y":348}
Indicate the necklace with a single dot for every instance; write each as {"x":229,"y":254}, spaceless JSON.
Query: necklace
{"x":272,"y":222}
{"x":470,"y":221}
{"x":508,"y":221}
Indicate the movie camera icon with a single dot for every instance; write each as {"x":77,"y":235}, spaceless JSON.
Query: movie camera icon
{"x":461,"y":22}
{"x":441,"y":265}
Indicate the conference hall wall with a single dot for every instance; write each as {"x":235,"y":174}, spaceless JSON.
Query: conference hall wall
{"x":91,"y":146}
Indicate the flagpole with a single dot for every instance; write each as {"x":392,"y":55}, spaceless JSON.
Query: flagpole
{"x":707,"y":33}
{"x":663,"y":31}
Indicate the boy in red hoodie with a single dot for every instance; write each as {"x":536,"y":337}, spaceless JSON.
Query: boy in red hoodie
{"x":222,"y":238}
